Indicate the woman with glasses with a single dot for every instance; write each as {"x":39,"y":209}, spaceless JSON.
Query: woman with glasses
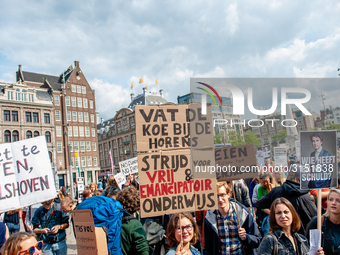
{"x":283,"y":238}
{"x":182,"y":234}
{"x":22,"y":243}
{"x":330,"y":223}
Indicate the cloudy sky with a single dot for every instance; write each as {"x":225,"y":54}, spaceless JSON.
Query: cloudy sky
{"x":118,"y":42}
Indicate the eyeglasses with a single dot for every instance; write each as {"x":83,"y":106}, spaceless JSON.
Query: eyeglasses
{"x":221,"y":196}
{"x":31,"y":250}
{"x":187,"y":227}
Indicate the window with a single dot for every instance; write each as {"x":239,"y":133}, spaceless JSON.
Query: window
{"x":94,"y":146}
{"x":7,"y":135}
{"x":88,"y":146}
{"x":30,"y":97}
{"x":79,"y":102}
{"x":89,"y":161}
{"x":28,"y":134}
{"x":95,"y":163}
{"x":9,"y":95}
{"x":74,"y":101}
{"x":87,"y":131}
{"x":36,"y":117}
{"x":76,"y":146}
{"x":57,"y":115}
{"x":116,"y":160}
{"x":92,"y":118}
{"x":121,"y":158}
{"x":83,"y":90}
{"x":46,"y":117}
{"x":74,"y":88}
{"x":71,"y":146}
{"x":72,"y":161}
{"x":86,"y":116}
{"x":7,"y":115}
{"x":59,"y":147}
{"x":81,"y":131}
{"x":15,"y":116}
{"x":57,"y":100}
{"x":67,"y":101}
{"x":114,"y":143}
{"x":28,"y":116}
{"x":15,"y":136}
{"x":69,"y":130}
{"x":80,"y":115}
{"x":133,"y":137}
{"x":47,"y":136}
{"x":58,"y":130}
{"x":120,"y":141}
{"x":93,"y":132}
{"x":78,"y":89}
{"x":91,"y":104}
{"x":85,"y":102}
{"x":132,"y":119}
{"x":17,"y":94}
{"x":75,"y":131}
{"x":121,"y":150}
{"x":74,"y":116}
{"x":82,"y":145}
{"x":68,"y":115}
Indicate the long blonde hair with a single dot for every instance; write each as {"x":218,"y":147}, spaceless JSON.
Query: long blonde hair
{"x":12,"y":246}
{"x":330,"y":192}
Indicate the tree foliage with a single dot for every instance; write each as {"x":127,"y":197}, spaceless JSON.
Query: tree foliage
{"x":250,"y":137}
{"x":280,"y":136}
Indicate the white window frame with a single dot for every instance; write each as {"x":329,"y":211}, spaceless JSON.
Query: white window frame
{"x":87,"y":131}
{"x":94,"y":146}
{"x":93,"y":132}
{"x":86,"y":117}
{"x":76,"y":146}
{"x":91,"y":104}
{"x":67,"y":101}
{"x":74,"y":101}
{"x":83,"y":90}
{"x":83,"y":161}
{"x":74,"y":116}
{"x":74,"y":88}
{"x":95,"y":161}
{"x":79,"y":89}
{"x":88,"y":145}
{"x":80,"y":117}
{"x":75,"y":131}
{"x":58,"y":131}
{"x":57,"y":100}
{"x":59,"y":147}
{"x":57,"y":115}
{"x":81,"y":131}
{"x":70,"y":130}
{"x":68,"y":115}
{"x":82,"y":146}
{"x":89,"y":161}
{"x":85,"y":102}
{"x":92,"y":118}
{"x":80,"y":102}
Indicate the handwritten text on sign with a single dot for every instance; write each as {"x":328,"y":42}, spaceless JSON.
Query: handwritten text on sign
{"x":129,"y":166}
{"x":25,"y":174}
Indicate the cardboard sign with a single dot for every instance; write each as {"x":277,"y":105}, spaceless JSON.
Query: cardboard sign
{"x":280,"y":156}
{"x":120,"y":179}
{"x":236,"y":162}
{"x":129,"y":166}
{"x":26,"y":177}
{"x":260,"y":158}
{"x":318,"y":168}
{"x":90,"y":240}
{"x":169,"y":127}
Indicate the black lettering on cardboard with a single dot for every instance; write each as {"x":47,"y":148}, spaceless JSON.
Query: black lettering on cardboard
{"x":157,"y":205}
{"x":147,"y":118}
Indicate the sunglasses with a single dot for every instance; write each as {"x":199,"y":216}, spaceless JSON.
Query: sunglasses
{"x":31,"y":250}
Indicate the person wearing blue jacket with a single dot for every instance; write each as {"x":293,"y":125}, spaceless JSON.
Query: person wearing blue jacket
{"x":223,"y":234}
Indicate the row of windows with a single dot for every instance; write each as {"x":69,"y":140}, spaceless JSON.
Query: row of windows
{"x":76,"y":116}
{"x":78,"y":89}
{"x":77,"y":131}
{"x":14,"y":136}
{"x":83,"y":160}
{"x":76,"y":101}
{"x":20,"y":95}
{"x":29,"y":116}
{"x":84,"y":146}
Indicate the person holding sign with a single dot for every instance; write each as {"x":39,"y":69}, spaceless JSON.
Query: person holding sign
{"x":330,"y":224}
{"x":284,"y":223}
{"x":182,"y":234}
{"x":22,"y":243}
{"x":231,"y":228}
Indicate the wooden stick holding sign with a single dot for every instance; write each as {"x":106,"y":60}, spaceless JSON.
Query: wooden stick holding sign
{"x":234,"y":189}
{"x":319,"y":209}
{"x":180,"y":227}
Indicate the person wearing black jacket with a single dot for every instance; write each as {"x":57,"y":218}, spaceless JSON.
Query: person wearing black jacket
{"x":300,"y":199}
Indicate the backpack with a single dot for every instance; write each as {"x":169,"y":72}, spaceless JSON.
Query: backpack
{"x":265,"y":225}
{"x":107,"y":213}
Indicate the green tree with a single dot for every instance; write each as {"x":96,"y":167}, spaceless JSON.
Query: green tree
{"x":280,"y":137}
{"x":235,"y":139}
{"x":218,"y":139}
{"x":251,"y":138}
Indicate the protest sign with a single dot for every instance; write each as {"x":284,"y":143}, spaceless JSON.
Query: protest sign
{"x":266,"y":151}
{"x":168,"y":182}
{"x":129,"y":166}
{"x":318,"y":160}
{"x":26,"y":176}
{"x":280,"y":156}
{"x":80,"y":182}
{"x":120,"y":179}
{"x":260,"y":158}
{"x":236,"y":162}
{"x":90,"y":240}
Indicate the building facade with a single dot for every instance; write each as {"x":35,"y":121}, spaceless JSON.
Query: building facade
{"x":74,"y":118}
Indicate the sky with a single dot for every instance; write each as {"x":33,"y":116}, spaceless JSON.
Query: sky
{"x":118,"y":42}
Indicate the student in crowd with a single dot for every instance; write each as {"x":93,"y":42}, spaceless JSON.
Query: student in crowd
{"x":300,"y":199}
{"x":330,"y":224}
{"x":98,"y":193}
{"x":324,"y":195}
{"x":131,"y":182}
{"x":4,"y":234}
{"x":252,"y":185}
{"x":86,"y":194}
{"x":93,"y":187}
{"x":133,"y":241}
{"x":222,"y":232}
{"x":111,"y":183}
{"x":284,"y":224}
{"x":182,"y":234}
{"x":12,"y":220}
{"x":67,"y":204}
{"x":22,"y":243}
{"x":241,"y":192}
{"x":267,"y":185}
{"x":51,"y":223}
{"x":100,"y":184}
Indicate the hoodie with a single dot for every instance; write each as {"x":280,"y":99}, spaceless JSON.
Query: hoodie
{"x":300,"y":199}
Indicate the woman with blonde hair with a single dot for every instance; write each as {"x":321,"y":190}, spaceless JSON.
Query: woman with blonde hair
{"x":22,"y":243}
{"x":330,"y":223}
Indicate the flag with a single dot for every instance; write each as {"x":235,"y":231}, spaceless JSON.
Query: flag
{"x":132,"y":85}
{"x":156,"y":81}
{"x":112,"y":166}
{"x":147,"y":87}
{"x":141,"y":80}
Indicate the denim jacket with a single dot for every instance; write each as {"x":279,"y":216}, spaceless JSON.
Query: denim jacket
{"x":285,"y":246}
{"x":194,"y":251}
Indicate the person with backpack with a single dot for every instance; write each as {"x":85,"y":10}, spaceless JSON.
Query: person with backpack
{"x":133,"y":241}
{"x":330,"y":224}
{"x":283,"y":239}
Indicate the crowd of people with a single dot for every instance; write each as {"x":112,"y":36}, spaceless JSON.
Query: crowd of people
{"x":237,"y":226}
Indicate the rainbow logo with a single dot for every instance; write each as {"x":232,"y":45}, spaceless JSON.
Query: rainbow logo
{"x":209,"y":93}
